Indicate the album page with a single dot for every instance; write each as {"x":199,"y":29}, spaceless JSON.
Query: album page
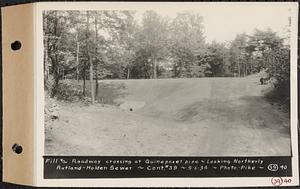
{"x":172,"y":94}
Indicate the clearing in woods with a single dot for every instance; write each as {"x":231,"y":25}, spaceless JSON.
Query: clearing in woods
{"x":174,"y":117}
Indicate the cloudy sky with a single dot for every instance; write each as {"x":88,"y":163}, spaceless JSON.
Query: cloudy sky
{"x":222,"y":21}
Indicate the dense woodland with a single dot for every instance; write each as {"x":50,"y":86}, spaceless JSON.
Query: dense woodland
{"x":80,"y":45}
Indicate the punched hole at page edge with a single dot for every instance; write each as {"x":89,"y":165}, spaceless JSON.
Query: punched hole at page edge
{"x":16,"y":45}
{"x":17,"y":148}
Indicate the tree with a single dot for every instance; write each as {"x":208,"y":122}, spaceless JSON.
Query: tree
{"x":124,"y":42}
{"x":153,"y":39}
{"x":216,"y":56}
{"x":186,"y":42}
{"x":57,"y":54}
{"x":238,"y":48}
{"x":129,"y":44}
{"x":261,"y":43}
{"x":89,"y":56}
{"x":77,"y":21}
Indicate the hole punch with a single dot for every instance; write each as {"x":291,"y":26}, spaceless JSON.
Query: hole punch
{"x":17,"y":148}
{"x":16,"y":45}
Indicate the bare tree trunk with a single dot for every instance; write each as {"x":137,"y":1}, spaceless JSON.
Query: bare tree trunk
{"x":63,"y":74}
{"x":154,"y":69}
{"x":91,"y":81}
{"x":46,"y":66}
{"x":77,"y":57}
{"x":46,"y":63}
{"x":250,"y":66}
{"x":55,"y":70}
{"x":89,"y":57}
{"x":96,"y":51}
{"x":83,"y":90}
{"x":46,"y":53}
{"x":239,"y":69}
{"x":54,"y":60}
{"x":128,"y":72}
{"x":97,"y":84}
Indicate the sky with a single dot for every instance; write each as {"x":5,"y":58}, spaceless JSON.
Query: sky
{"x":223,"y":22}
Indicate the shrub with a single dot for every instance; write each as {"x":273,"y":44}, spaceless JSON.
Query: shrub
{"x":69,"y":90}
{"x":278,"y":68}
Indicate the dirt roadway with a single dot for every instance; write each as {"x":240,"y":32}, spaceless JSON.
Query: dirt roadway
{"x":181,"y":117}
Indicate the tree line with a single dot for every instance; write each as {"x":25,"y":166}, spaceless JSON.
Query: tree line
{"x":88,"y":46}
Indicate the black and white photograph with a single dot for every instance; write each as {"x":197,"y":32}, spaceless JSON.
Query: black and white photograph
{"x":211,"y":81}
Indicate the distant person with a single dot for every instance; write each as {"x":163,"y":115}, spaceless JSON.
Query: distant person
{"x":261,"y":81}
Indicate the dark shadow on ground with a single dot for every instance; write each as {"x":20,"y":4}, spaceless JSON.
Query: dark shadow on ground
{"x":249,"y":111}
{"x":279,"y":98}
{"x":268,"y":114}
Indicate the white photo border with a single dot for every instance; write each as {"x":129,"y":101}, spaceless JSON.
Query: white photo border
{"x":152,"y":182}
